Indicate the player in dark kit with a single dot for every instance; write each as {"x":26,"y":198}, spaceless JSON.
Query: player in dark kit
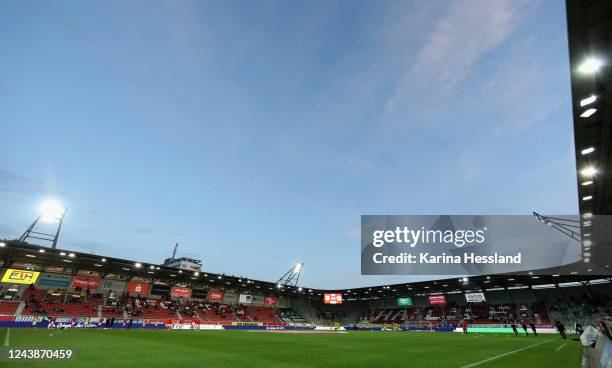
{"x":513,"y":325}
{"x":561,"y":329}
{"x":524,"y":325}
{"x":533,"y":328}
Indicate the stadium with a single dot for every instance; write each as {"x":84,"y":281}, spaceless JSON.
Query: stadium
{"x":61,"y":307}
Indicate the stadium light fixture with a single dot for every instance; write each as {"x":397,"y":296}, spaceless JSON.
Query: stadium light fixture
{"x":52,"y":210}
{"x":590,"y":66}
{"x":151,"y":267}
{"x":465,"y":279}
{"x":587,"y":198}
{"x":588,"y":171}
{"x":279,"y":286}
{"x":71,"y":255}
{"x":587,"y":183}
{"x":587,"y":215}
{"x":587,"y":101}
{"x":300,"y":288}
{"x":137,"y":264}
{"x":587,"y":243}
{"x":588,"y":113}
{"x":586,"y":151}
{"x":298,"y":267}
{"x":41,"y":251}
{"x":196,"y":274}
{"x":2,"y":244}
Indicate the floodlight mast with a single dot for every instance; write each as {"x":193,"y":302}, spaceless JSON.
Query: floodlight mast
{"x":565,"y":226}
{"x":52,"y":238}
{"x":291,"y":277}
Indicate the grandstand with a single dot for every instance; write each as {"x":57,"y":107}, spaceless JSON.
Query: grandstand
{"x":215,"y":298}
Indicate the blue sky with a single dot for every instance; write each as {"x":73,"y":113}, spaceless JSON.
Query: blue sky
{"x":256,"y":133}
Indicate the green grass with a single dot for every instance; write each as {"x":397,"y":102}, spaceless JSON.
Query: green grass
{"x":209,"y":349}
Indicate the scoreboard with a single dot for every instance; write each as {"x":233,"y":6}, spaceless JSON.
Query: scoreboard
{"x":332,"y":298}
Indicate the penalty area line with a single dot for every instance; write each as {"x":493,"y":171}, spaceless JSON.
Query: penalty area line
{"x":504,"y":354}
{"x":560,"y":347}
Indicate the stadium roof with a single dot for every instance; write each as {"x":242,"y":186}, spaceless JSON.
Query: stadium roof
{"x":589,"y":36}
{"x":23,"y":255}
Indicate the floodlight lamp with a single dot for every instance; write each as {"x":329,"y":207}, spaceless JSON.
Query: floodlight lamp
{"x":587,"y":101}
{"x":588,"y":113}
{"x":590,"y":66}
{"x":586,"y":151}
{"x":51,"y":210}
{"x":298,"y":267}
{"x":588,"y":171}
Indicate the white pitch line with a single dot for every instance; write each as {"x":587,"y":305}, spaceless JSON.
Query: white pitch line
{"x":560,"y":347}
{"x":7,"y":337}
{"x":504,"y":354}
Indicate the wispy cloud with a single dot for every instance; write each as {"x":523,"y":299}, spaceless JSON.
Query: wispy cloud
{"x":458,"y":40}
{"x":12,"y":182}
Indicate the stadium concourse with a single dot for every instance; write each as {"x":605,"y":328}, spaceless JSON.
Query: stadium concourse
{"x":44,"y":285}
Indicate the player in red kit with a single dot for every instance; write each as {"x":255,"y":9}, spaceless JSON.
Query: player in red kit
{"x":195,"y":324}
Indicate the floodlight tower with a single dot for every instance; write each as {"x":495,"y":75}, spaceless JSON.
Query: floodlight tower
{"x":291,"y":277}
{"x":50,"y":211}
{"x":568,"y":227}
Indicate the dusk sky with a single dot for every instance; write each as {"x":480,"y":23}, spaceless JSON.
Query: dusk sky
{"x":255,"y":133}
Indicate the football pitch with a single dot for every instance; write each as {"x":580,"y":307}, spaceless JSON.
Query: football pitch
{"x":175,"y":348}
